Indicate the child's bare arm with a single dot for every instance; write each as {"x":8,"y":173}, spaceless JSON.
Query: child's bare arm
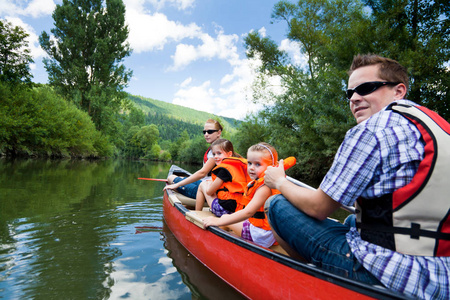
{"x":210,"y":163}
{"x":257,"y":201}
{"x":214,"y":186}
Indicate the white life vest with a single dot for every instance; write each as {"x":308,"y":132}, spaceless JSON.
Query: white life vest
{"x":415,"y":218}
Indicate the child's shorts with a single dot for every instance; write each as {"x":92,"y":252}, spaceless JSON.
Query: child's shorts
{"x":257,"y":235}
{"x":217,"y":209}
{"x":188,"y":190}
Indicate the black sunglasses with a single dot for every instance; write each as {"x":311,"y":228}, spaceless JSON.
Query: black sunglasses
{"x":211,"y":131}
{"x":367,"y":88}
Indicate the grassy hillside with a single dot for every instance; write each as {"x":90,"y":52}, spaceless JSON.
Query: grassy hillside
{"x":171,"y":118}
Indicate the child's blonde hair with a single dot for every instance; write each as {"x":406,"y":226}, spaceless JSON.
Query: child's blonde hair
{"x":226,"y":146}
{"x":272,"y":154}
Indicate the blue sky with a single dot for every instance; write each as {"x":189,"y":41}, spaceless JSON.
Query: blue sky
{"x":186,"y":52}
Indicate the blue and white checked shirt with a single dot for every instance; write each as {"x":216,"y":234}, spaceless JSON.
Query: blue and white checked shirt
{"x":377,"y":157}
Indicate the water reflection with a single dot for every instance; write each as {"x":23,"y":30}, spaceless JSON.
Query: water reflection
{"x":90,"y":230}
{"x":203,"y":283}
{"x":60,"y":222}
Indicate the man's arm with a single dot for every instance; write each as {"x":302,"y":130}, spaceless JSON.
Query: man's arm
{"x":314,"y":203}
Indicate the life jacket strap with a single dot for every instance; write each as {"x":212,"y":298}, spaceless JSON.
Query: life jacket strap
{"x":259,"y":215}
{"x":414,"y":232}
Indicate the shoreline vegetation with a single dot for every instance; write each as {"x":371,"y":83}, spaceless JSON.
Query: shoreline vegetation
{"x":36,"y":122}
{"x":83,"y":111}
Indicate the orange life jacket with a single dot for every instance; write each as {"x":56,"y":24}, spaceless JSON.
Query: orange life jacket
{"x":259,"y":219}
{"x":232,"y":190}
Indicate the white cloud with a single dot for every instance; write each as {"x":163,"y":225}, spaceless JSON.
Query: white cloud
{"x":8,"y":8}
{"x":293,"y":49}
{"x":33,"y":38}
{"x":184,"y":55}
{"x":34,"y":8}
{"x":186,"y":82}
{"x":200,"y":97}
{"x":263,"y":32}
{"x":237,"y":89}
{"x":222,"y":47}
{"x":232,"y":97}
{"x":126,"y":284}
{"x":152,"y":31}
{"x":179,"y":4}
{"x":38,"y":8}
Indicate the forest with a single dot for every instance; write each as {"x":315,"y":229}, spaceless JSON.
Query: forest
{"x":83,"y":111}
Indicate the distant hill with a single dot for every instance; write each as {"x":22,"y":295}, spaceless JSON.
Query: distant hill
{"x":172,"y":119}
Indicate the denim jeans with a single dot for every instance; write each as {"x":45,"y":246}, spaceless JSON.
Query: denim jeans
{"x":322,"y":243}
{"x":188,"y":190}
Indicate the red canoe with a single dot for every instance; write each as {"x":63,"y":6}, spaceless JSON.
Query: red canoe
{"x":257,"y":272}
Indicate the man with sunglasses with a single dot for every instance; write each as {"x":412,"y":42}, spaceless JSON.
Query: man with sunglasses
{"x":374,"y":167}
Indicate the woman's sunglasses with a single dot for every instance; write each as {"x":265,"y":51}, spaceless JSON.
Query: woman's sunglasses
{"x":211,"y":131}
{"x":367,"y":88}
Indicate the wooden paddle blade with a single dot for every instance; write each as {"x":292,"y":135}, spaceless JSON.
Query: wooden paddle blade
{"x":153,"y":179}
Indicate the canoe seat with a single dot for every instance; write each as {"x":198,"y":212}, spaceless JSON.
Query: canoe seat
{"x":186,"y":201}
{"x":196,"y":216}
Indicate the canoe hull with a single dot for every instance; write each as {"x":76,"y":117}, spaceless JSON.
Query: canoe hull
{"x":258,"y":272}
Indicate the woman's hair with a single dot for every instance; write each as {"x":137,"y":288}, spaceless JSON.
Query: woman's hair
{"x":390,"y":70}
{"x":271,"y":154}
{"x":216,"y":124}
{"x":226,"y":146}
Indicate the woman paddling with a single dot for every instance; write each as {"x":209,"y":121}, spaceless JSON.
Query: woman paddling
{"x":188,"y":186}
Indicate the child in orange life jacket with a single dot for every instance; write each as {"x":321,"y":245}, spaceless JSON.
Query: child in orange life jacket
{"x":251,"y":222}
{"x":225,"y":192}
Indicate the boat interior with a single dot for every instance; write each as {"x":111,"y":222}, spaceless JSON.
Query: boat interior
{"x":197,"y":217}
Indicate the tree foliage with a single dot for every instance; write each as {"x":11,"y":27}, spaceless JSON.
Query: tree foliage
{"x":15,"y":55}
{"x":417,"y":34}
{"x":192,"y":150}
{"x":85,"y":55}
{"x":309,"y":119}
{"x":39,"y":122}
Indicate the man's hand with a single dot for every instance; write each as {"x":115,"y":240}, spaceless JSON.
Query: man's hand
{"x":275,"y":176}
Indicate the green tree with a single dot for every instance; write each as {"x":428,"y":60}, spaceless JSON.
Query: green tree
{"x":146,"y":137}
{"x":253,"y":130}
{"x":15,"y":55}
{"x":417,"y":34}
{"x":154,"y":152}
{"x":132,"y":147}
{"x":39,"y":122}
{"x":141,"y":142}
{"x":193,"y":150}
{"x":85,"y":57}
{"x":179,"y":144}
{"x":309,"y":119}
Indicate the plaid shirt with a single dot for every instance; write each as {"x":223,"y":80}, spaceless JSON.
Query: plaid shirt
{"x":377,"y":157}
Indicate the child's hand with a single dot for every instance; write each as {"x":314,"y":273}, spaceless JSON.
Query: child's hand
{"x":274,"y":175}
{"x":210,"y":221}
{"x":170,"y":187}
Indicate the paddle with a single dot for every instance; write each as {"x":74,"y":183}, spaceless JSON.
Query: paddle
{"x":350,"y":209}
{"x":153,"y":179}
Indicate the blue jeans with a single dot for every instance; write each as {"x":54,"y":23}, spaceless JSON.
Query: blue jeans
{"x":188,"y":190}
{"x":322,"y":243}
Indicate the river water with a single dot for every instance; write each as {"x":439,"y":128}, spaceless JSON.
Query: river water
{"x":76,"y":229}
